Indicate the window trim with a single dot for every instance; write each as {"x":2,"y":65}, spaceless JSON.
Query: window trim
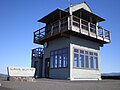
{"x":93,"y":51}
{"x":58,"y":57}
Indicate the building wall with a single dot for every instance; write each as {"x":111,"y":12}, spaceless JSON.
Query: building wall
{"x":38,"y":66}
{"x":83,"y":74}
{"x":58,"y":43}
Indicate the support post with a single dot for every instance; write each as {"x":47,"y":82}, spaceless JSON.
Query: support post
{"x":59,"y":21}
{"x":89,"y":28}
{"x":80,"y":25}
{"x":59,"y":25}
{"x":51,"y":29}
{"x":97,"y":30}
{"x":80,"y":22}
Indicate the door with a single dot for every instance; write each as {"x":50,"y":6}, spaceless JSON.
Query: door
{"x":47,"y":67}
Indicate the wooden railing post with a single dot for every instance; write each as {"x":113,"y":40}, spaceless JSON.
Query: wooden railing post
{"x":68,"y":18}
{"x":109,"y":35}
{"x":103,"y":33}
{"x":88,"y":28}
{"x":96,"y":30}
{"x":51,"y":29}
{"x":59,"y":25}
{"x":71,"y":21}
{"x":80,"y":24}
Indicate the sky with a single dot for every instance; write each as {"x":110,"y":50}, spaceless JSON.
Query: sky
{"x":18,"y":21}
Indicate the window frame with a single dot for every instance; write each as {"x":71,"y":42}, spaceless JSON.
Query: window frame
{"x":86,"y":53}
{"x":59,"y":54}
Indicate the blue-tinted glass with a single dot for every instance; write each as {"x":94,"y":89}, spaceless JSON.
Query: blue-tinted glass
{"x":91,"y":62}
{"x":82,"y":51}
{"x":55,"y":61}
{"x":51,"y":61}
{"x":82,"y":61}
{"x":95,"y":63}
{"x":86,"y":52}
{"x":65,"y":60}
{"x":52,"y":53}
{"x":75,"y":60}
{"x":91,"y":53}
{"x":65,"y":50}
{"x":76,"y":50}
{"x":60,"y":61}
{"x":60,"y":51}
{"x":56,"y":52}
{"x":87,"y":61}
{"x":95,"y":54}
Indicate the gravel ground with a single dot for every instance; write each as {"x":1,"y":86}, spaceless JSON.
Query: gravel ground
{"x":51,"y":84}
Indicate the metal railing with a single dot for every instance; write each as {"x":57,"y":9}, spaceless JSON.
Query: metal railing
{"x":37,"y":52}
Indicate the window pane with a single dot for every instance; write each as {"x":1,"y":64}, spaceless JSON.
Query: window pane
{"x":55,"y":61}
{"x":56,"y":52}
{"x":86,"y":62}
{"x":96,"y":63}
{"x":65,"y":50}
{"x":86,"y":52}
{"x":60,"y":51}
{"x":65,"y":60}
{"x":82,"y":61}
{"x":51,"y":61}
{"x":52,"y":53}
{"x":81,"y":51}
{"x":76,"y":50}
{"x":91,"y":62}
{"x":75,"y":60}
{"x":60,"y":61}
{"x":95,"y":54}
{"x":91,"y":53}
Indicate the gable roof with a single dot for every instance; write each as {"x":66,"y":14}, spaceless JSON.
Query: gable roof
{"x":81,"y":5}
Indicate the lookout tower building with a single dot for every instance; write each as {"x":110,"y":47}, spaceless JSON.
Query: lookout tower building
{"x":72,"y":39}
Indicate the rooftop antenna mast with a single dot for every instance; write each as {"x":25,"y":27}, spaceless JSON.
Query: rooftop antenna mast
{"x":69,"y":1}
{"x":69,"y":5}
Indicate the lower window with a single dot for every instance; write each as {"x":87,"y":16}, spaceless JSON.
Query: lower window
{"x":59,"y":58}
{"x":85,"y":59}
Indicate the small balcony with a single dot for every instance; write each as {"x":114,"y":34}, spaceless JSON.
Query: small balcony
{"x":72,"y":24}
{"x":37,"y":53}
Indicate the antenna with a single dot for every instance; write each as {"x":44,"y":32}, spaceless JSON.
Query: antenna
{"x":69,"y":2}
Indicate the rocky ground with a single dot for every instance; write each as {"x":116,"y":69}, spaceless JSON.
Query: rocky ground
{"x":52,"y":84}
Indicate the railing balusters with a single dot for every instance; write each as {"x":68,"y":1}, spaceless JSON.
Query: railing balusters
{"x":67,"y":23}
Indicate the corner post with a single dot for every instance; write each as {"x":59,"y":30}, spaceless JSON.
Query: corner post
{"x":97,"y":30}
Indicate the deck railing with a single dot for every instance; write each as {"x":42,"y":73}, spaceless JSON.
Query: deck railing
{"x":75,"y":24}
{"x":37,"y":52}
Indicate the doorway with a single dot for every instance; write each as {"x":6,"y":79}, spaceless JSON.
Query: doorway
{"x":47,"y":67}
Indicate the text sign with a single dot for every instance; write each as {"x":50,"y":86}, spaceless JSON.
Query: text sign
{"x":21,"y":71}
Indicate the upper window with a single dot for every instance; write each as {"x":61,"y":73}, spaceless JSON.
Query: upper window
{"x":85,"y":59}
{"x":59,"y":58}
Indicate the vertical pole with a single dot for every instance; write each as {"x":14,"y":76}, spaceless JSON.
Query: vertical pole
{"x":68,"y":18}
{"x":51,"y":29}
{"x":97,"y":30}
{"x":59,"y":21}
{"x":103,"y":33}
{"x":80,"y":22}
{"x":89,"y":28}
{"x":71,"y":21}
{"x":80,"y":25}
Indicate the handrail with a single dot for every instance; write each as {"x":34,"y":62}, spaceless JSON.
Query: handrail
{"x":78,"y":22}
{"x":37,"y":52}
